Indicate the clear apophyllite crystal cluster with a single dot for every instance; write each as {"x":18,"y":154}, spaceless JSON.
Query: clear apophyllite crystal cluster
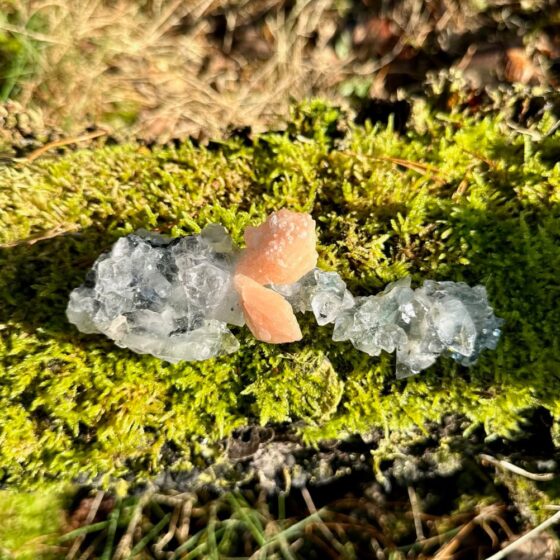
{"x":174,"y":299}
{"x":171,"y":298}
{"x":448,"y":318}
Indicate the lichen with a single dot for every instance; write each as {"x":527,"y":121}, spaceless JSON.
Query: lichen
{"x":454,"y":198}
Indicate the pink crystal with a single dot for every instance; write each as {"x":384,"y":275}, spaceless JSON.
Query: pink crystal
{"x":269,"y":316}
{"x":281,"y":250}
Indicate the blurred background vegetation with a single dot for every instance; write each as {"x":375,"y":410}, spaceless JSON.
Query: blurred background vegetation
{"x":170,"y":68}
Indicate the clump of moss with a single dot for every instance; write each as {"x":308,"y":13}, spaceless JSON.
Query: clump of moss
{"x":453,"y":197}
{"x":29,"y":523}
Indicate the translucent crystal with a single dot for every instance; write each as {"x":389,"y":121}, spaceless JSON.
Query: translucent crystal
{"x":484,"y":328}
{"x":373,"y":324}
{"x":319,"y":291}
{"x":218,"y":239}
{"x":167,"y":297}
{"x":446,"y":318}
{"x":205,"y":269}
{"x":280,"y":250}
{"x":173,"y":298}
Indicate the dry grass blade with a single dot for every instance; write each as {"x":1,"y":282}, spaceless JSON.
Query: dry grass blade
{"x":419,"y":167}
{"x":446,"y":553}
{"x":292,"y":531}
{"x":183,"y":526}
{"x":125,"y":545}
{"x":164,"y":540}
{"x":480,"y":157}
{"x":163,"y":68}
{"x":422,"y":168}
{"x":41,"y":37}
{"x":515,"y":469}
{"x":490,"y":512}
{"x":526,"y":537}
{"x":150,"y":536}
{"x":328,"y":534}
{"x":416,"y":513}
{"x":61,"y":229}
{"x":35,"y":154}
{"x":90,"y":550}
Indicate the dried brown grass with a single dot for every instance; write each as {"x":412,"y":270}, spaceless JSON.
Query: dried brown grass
{"x":163,"y":67}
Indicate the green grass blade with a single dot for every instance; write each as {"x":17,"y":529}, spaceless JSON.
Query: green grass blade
{"x":152,"y":533}
{"x":111,"y":531}
{"x":258,"y":534}
{"x":86,"y":530}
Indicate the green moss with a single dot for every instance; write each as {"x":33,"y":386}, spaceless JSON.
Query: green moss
{"x":482,"y":207}
{"x":29,"y":524}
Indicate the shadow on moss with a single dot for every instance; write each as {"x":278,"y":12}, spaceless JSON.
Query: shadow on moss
{"x":37,"y":279}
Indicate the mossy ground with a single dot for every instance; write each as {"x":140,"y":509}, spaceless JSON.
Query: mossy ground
{"x":454,"y":198}
{"x":29,"y":523}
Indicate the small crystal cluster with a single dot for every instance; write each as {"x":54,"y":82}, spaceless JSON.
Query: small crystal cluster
{"x":440,"y":318}
{"x":171,"y":298}
{"x":174,"y":299}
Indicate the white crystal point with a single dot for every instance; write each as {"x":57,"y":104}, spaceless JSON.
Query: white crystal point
{"x":206,"y":275}
{"x":81,"y":309}
{"x":329,"y":297}
{"x":372,"y":325}
{"x":480,"y":328}
{"x":170,"y":298}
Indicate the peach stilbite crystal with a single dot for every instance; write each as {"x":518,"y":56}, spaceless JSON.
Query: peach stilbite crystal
{"x":269,"y":316}
{"x":281,"y":250}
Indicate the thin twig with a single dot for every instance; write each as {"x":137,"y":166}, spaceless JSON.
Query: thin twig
{"x":416,"y":513}
{"x":515,"y":469}
{"x":322,"y":527}
{"x":526,"y":537}
{"x":35,"y":154}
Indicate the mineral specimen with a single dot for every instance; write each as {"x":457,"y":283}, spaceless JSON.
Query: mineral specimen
{"x":173,"y":298}
{"x":269,"y":316}
{"x":281,"y":250}
{"x":167,"y":297}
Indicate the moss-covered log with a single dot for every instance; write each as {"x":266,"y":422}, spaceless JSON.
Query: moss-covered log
{"x":453,"y":197}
